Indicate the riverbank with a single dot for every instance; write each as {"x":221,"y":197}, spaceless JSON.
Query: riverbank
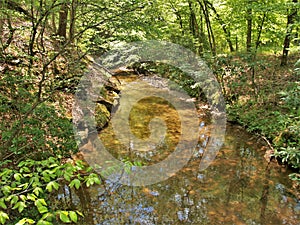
{"x":264,"y":98}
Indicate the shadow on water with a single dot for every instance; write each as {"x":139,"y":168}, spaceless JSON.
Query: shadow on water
{"x":239,"y":187}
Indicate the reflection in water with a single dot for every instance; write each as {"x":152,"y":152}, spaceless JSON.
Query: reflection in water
{"x":239,"y":187}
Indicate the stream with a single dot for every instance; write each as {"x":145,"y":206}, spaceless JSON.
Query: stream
{"x":239,"y":186}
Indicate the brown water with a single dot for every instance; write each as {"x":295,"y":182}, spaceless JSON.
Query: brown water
{"x":239,"y":187}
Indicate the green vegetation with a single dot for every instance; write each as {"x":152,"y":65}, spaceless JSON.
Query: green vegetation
{"x":25,"y":190}
{"x":273,"y":112}
{"x":252,"y":47}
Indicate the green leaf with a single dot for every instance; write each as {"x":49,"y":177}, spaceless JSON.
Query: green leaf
{"x":53,"y":165}
{"x":73,"y":216}
{"x":25,"y":169}
{"x":37,"y":191}
{"x":17,"y":176}
{"x":42,"y":209}
{"x":35,"y":180}
{"x":97,"y":180}
{"x":2,"y":204}
{"x":76,"y":183}
{"x":92,"y":179}
{"x":3,"y":217}
{"x":41,"y":205}
{"x":48,"y":216}
{"x":31,"y":197}
{"x":23,"y":198}
{"x":14,"y":200}
{"x":63,"y":215}
{"x":40,"y":202}
{"x":25,"y":221}
{"x":67,"y":176}
{"x":24,"y":186}
{"x":20,"y":206}
{"x":89,"y":182}
{"x":49,"y":187}
{"x":52,"y":184}
{"x":6,"y":190}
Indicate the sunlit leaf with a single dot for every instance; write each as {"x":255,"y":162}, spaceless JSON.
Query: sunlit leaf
{"x":3,"y":217}
{"x":73,"y":216}
{"x":25,"y":221}
{"x":51,"y":185}
{"x":63,"y":215}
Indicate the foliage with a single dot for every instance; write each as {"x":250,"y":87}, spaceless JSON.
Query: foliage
{"x":30,"y":127}
{"x":25,"y":190}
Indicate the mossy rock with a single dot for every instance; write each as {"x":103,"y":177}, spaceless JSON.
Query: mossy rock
{"x":102,"y":116}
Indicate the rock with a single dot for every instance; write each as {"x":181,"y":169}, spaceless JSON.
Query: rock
{"x":102,"y":116}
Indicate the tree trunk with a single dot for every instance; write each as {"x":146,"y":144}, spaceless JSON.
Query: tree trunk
{"x":53,"y":22}
{"x":249,"y":27}
{"x":195,"y":30}
{"x":260,"y":28}
{"x":193,"y":20}
{"x":63,"y":20}
{"x":287,"y":40}
{"x":211,"y":37}
{"x":72,"y":19}
{"x":202,"y":36}
{"x":223,"y":25}
{"x":2,"y":19}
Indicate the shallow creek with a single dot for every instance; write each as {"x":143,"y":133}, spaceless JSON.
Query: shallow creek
{"x":239,"y":186}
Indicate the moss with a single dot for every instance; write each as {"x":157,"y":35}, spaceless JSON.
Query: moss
{"x":102,"y":116}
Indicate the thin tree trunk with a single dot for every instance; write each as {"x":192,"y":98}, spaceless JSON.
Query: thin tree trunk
{"x":213,"y":42}
{"x":2,"y":19}
{"x":53,"y":22}
{"x":72,"y":19}
{"x":194,"y":27}
{"x":193,"y":20}
{"x":260,"y":28}
{"x":287,"y":40}
{"x":223,"y":25}
{"x":249,"y":27}
{"x":63,"y":19}
{"x":202,"y":36}
{"x":211,"y":37}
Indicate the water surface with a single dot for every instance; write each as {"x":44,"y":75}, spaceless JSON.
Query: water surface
{"x":239,"y":187}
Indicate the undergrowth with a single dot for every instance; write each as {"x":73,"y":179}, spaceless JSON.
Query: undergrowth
{"x":267,"y":105}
